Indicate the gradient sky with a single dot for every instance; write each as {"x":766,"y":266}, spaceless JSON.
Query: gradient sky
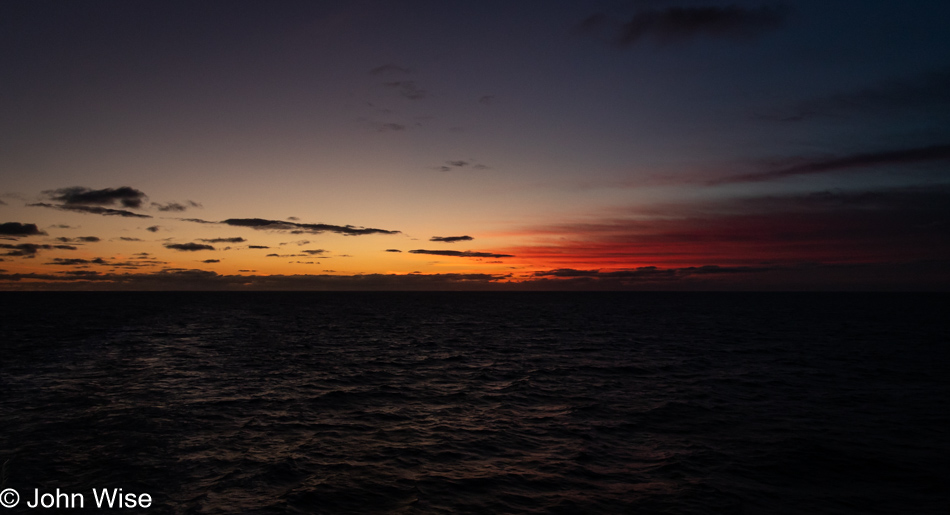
{"x":659,"y":144}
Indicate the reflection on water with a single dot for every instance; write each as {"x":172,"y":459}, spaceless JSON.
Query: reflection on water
{"x":465,"y":402}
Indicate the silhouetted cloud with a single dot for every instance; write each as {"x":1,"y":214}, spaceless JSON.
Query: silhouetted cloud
{"x":393,"y":250}
{"x":314,"y":252}
{"x":125,"y":196}
{"x":457,"y":253}
{"x":679,"y":24}
{"x":95,"y":210}
{"x":81,"y":239}
{"x":175,"y":206}
{"x":188,"y":246}
{"x":927,"y":92}
{"x":30,"y":249}
{"x":182,"y":279}
{"x":236,"y":239}
{"x":867,"y":160}
{"x":153,"y":228}
{"x":451,"y":239}
{"x":129,"y":238}
{"x":894,"y":224}
{"x":211,"y":261}
{"x":77,"y":261}
{"x":408,"y":89}
{"x":18,"y":229}
{"x":460,"y":163}
{"x":258,"y":247}
{"x":299,"y":228}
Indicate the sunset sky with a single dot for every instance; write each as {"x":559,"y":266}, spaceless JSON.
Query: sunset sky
{"x":651,"y":144}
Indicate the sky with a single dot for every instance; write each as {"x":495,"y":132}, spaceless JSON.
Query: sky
{"x":444,"y":145}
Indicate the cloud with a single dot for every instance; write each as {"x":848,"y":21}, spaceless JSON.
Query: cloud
{"x":299,"y":228}
{"x":175,"y":206}
{"x":17,"y":229}
{"x":460,"y":163}
{"x":190,"y":247}
{"x":95,"y":210}
{"x":77,"y":261}
{"x":927,"y":92}
{"x":457,"y":253}
{"x":211,"y":261}
{"x":153,"y":228}
{"x":81,"y":239}
{"x":680,"y":24}
{"x":931,"y":153}
{"x":128,"y":238}
{"x":408,"y":89}
{"x":314,"y":252}
{"x":389,"y":69}
{"x":30,"y":249}
{"x":205,"y":280}
{"x":125,"y":196}
{"x":393,"y":250}
{"x":236,"y":239}
{"x":451,"y":239}
{"x":886,"y":225}
{"x":258,"y":247}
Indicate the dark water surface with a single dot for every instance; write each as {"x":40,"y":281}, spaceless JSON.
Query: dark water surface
{"x":480,"y":402}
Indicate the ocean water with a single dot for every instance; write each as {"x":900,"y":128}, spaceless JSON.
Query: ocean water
{"x":680,"y":403}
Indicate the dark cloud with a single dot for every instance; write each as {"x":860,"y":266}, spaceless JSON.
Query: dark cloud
{"x":393,"y":250}
{"x":299,"y":228}
{"x":887,"y":225}
{"x":188,"y":246}
{"x":211,"y":261}
{"x":77,"y":261}
{"x":680,"y":24}
{"x":153,"y":228}
{"x":236,"y":239}
{"x":81,"y":273}
{"x":18,"y":229}
{"x":451,"y":239}
{"x":314,"y":252}
{"x":293,"y":218}
{"x":460,"y":163}
{"x":408,"y":89}
{"x":928,"y":93}
{"x":457,"y":253}
{"x":389,"y":69}
{"x":81,"y":239}
{"x":258,"y":247}
{"x":95,"y":210}
{"x":175,"y":206}
{"x":78,"y":196}
{"x":931,"y":153}
{"x":128,"y":238}
{"x":182,"y":280}
{"x":30,"y":249}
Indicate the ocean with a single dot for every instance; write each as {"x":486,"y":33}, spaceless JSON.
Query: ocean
{"x":465,"y":402}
